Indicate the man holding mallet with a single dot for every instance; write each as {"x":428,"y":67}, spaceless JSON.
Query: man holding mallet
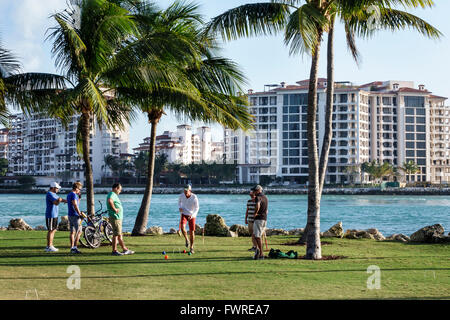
{"x":188,"y":206}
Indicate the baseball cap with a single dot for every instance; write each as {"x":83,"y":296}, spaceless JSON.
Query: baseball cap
{"x":55,"y":185}
{"x":187,"y":187}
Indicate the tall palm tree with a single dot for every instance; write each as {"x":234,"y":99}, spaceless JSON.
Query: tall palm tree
{"x":304,"y":27}
{"x":9,"y":65}
{"x":205,"y":89}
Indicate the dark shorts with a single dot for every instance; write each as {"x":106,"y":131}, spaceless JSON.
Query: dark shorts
{"x":74,"y":224}
{"x":51,"y":223}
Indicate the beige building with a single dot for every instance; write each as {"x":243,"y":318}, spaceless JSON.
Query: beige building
{"x":388,"y":121}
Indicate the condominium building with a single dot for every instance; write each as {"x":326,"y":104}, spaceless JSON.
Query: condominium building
{"x":389,"y":121}
{"x":4,"y":143}
{"x":184,"y":146}
{"x":42,"y":146}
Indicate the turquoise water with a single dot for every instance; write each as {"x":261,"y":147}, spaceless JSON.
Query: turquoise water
{"x":389,"y":214}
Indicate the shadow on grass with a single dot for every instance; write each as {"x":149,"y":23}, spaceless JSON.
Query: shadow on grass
{"x":220,"y":273}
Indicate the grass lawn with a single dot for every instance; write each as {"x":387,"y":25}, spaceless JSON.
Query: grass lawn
{"x":221,"y":268}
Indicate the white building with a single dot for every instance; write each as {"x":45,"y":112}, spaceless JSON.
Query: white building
{"x":387,"y":121}
{"x":41,"y":146}
{"x":4,"y":143}
{"x":184,"y":146}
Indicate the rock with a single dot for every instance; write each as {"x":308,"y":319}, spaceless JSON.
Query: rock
{"x":376,"y":234}
{"x":40,"y":228}
{"x":198,"y":230}
{"x":63,"y":224}
{"x":18,"y":224}
{"x":358,"y":234}
{"x":3,"y":228}
{"x":155,"y":230}
{"x":429,"y":234}
{"x":215,"y":226}
{"x":335,"y":231}
{"x":172,"y":231}
{"x":276,"y":232}
{"x":296,"y":232}
{"x":398,"y":237}
{"x":232,"y":234}
{"x":241,"y":230}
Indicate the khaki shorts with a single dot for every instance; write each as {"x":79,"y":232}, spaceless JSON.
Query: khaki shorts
{"x":259,"y":226}
{"x":116,"y":226}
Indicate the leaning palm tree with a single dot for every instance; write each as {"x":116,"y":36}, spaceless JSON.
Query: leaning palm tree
{"x":304,"y":27}
{"x":205,"y":90}
{"x":9,"y":65}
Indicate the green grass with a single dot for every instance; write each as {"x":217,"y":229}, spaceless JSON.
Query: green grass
{"x":221,"y":268}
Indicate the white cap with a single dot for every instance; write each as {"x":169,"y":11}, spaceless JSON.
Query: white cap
{"x":55,"y":185}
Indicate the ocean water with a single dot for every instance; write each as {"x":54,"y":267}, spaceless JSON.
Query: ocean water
{"x":389,"y":214}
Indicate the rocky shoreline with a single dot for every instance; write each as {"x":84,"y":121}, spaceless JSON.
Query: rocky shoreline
{"x":215,"y":226}
{"x":269,"y":190}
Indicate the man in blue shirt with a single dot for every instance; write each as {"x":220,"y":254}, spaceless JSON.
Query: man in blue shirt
{"x":51,"y":214}
{"x":74,"y":215}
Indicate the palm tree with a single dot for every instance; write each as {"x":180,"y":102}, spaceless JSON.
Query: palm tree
{"x":205,"y":85}
{"x":304,"y":27}
{"x":9,"y":65}
{"x":409,"y":168}
{"x":140,"y":165}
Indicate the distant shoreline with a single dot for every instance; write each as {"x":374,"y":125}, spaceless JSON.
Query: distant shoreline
{"x":268,"y":190}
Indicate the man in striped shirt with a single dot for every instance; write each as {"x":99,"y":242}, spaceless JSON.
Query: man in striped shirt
{"x":249,"y":218}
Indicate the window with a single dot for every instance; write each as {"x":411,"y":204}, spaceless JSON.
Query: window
{"x":273,"y":110}
{"x":420,"y":145}
{"x":416,"y":102}
{"x":410,"y":136}
{"x":294,"y":118}
{"x":410,"y":153}
{"x":420,"y":128}
{"x":387,"y":101}
{"x":409,"y":111}
{"x":420,"y":119}
{"x":273,"y":101}
{"x":409,"y":119}
{"x":343,"y":98}
{"x":294,"y":126}
{"x":294,"y":109}
{"x":298,"y":99}
{"x":421,"y":162}
{"x":420,"y":112}
{"x":263,"y":110}
{"x":263,"y":101}
{"x":294,"y":170}
{"x":410,"y":128}
{"x":294,"y":144}
{"x":294,"y":161}
{"x":410,"y":145}
{"x":421,"y":153}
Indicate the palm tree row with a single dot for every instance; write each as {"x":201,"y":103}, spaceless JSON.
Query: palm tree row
{"x":380,"y":170}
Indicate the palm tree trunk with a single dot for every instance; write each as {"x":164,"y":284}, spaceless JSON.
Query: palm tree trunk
{"x":328,"y":135}
{"x":140,"y":225}
{"x":88,"y":175}
{"x":313,"y":247}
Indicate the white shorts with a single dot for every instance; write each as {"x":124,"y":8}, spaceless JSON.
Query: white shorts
{"x":259,"y":226}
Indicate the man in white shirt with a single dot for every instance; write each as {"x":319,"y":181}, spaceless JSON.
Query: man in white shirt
{"x":188,"y":205}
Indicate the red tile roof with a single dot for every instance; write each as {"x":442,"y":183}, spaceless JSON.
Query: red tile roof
{"x":413,"y":90}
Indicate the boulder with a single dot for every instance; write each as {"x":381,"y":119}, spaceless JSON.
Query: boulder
{"x":40,"y":228}
{"x":241,"y":230}
{"x":155,"y":230}
{"x":198,"y":230}
{"x":18,"y":224}
{"x":398,"y":237}
{"x":429,"y":234}
{"x":3,"y":228}
{"x":215,"y":226}
{"x":335,"y":231}
{"x":376,"y":234}
{"x":232,"y":234}
{"x":296,"y":232}
{"x":172,"y":231}
{"x":358,"y":234}
{"x":276,"y":232}
{"x":63,"y":223}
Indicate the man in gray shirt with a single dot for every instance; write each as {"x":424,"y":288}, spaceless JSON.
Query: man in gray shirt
{"x":260,"y":220}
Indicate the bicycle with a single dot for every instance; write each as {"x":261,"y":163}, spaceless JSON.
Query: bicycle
{"x":97,"y":229}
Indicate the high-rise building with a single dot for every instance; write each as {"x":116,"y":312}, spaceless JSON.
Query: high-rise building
{"x":390,"y":121}
{"x":184,"y":146}
{"x":42,"y":146}
{"x":4,"y":143}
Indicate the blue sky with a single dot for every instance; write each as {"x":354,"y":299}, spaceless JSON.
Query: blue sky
{"x":404,"y":55}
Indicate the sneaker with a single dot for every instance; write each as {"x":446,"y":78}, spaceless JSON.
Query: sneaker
{"x":192,"y":251}
{"x":51,"y":249}
{"x":261,"y":258}
{"x":117,"y":253}
{"x":256,"y":255}
{"x":128,"y":252}
{"x":252,"y":249}
{"x":75,"y":250}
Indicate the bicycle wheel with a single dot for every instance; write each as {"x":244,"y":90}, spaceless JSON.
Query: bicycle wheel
{"x":108,"y":231}
{"x":81,"y":241}
{"x":93,"y":238}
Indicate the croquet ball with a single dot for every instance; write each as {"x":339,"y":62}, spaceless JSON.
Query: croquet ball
{"x":163,"y":252}
{"x":189,"y":253}
{"x":166,"y":257}
{"x":184,"y":251}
